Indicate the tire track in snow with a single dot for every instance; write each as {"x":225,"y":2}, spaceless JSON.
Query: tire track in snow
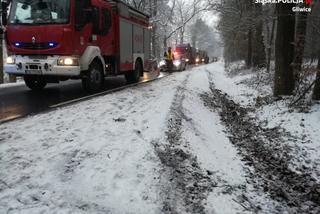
{"x":264,"y":149}
{"x":73,"y":161}
{"x":187,"y":185}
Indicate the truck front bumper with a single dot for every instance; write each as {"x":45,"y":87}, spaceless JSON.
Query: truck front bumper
{"x":44,"y":65}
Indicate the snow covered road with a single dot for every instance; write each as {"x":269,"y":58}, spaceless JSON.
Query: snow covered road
{"x":154,"y":148}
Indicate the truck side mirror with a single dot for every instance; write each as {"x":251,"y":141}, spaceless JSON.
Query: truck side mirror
{"x":82,"y":13}
{"x":88,"y":14}
{"x":95,"y":20}
{"x":86,"y":3}
{"x":4,"y":6}
{"x":106,"y":21}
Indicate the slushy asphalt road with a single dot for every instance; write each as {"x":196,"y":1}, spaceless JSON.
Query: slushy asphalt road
{"x":18,"y":101}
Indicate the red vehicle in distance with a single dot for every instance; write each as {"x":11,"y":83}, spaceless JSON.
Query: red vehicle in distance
{"x":185,"y":52}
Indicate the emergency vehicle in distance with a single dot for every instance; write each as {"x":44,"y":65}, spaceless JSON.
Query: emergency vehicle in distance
{"x":190,"y":54}
{"x":201,"y":57}
{"x":185,"y":52}
{"x":50,"y":41}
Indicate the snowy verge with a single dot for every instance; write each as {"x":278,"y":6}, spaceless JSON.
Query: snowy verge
{"x":8,"y":85}
{"x":92,"y":157}
{"x":210,"y":143}
{"x":304,"y":126}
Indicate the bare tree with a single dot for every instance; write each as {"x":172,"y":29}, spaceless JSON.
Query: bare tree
{"x":284,"y":79}
{"x":243,"y":38}
{"x":187,"y":13}
{"x":169,"y":18}
{"x":300,"y":36}
{"x":1,"y":49}
{"x":258,"y":49}
{"x":270,"y":36}
{"x":203,"y":36}
{"x":1,"y":58}
{"x":181,"y":11}
{"x":316,"y":89}
{"x":312,"y":45}
{"x":250,"y":34}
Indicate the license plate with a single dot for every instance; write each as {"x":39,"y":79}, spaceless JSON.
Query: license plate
{"x":37,"y":72}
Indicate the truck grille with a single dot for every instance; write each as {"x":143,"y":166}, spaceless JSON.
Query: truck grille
{"x":38,"y":56}
{"x":34,"y":46}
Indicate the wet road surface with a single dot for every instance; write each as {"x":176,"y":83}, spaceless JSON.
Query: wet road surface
{"x":18,"y":101}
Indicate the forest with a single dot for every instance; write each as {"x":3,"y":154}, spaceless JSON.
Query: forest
{"x":274,"y":37}
{"x":270,"y":38}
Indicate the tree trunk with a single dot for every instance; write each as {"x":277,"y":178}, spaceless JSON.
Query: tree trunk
{"x":1,"y":56}
{"x":300,"y":36}
{"x":1,"y":50}
{"x":153,"y":12}
{"x":259,"y":54}
{"x":249,"y":56}
{"x":165,"y":44}
{"x":194,"y":40}
{"x":270,"y":45}
{"x":284,"y":78}
{"x":316,"y":89}
{"x":153,"y":40}
{"x":182,"y":35}
{"x":250,"y":34}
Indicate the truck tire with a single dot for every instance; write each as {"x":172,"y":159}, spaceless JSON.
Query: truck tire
{"x":35,"y":83}
{"x":134,"y":76}
{"x":94,"y":80}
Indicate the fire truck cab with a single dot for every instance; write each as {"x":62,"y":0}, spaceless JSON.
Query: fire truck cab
{"x":50,"y":41}
{"x":184,"y":51}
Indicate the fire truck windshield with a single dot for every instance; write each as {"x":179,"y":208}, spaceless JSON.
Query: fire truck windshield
{"x":34,"y":12}
{"x":181,"y":50}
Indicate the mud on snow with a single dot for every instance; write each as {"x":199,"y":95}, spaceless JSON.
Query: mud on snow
{"x":263,"y":151}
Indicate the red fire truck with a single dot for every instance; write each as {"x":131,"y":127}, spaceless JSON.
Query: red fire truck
{"x":184,"y":51}
{"x":50,"y":41}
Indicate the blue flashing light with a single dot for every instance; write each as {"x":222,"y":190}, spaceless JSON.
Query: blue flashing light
{"x":52,"y":44}
{"x":17,"y":44}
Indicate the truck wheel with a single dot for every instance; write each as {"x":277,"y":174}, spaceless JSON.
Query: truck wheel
{"x":134,"y":76}
{"x":93,"y":82}
{"x":35,"y":83}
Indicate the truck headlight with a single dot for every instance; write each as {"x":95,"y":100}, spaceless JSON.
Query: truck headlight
{"x":162,"y":63}
{"x":68,"y":61}
{"x":177,"y":63}
{"x":10,"y":60}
